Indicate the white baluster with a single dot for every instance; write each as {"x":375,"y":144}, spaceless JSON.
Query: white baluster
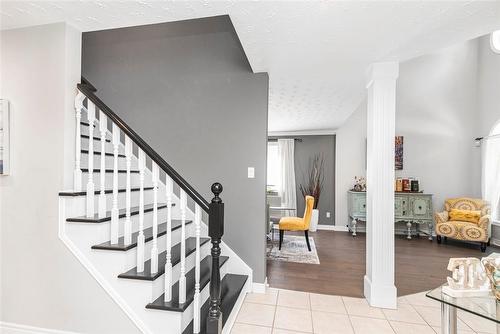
{"x":182,"y":277}
{"x":168,"y":264}
{"x":140,"y":238}
{"x":154,"y":248}
{"x":103,"y":127}
{"x":90,"y":181}
{"x":128,"y":223}
{"x":197,"y":306}
{"x":77,"y":174}
{"x":114,"y":209}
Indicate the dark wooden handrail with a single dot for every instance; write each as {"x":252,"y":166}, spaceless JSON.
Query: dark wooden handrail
{"x":88,"y":90}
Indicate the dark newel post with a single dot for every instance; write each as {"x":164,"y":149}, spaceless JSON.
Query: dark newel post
{"x":215,"y":232}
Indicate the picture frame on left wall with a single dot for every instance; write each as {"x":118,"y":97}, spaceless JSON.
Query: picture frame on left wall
{"x":4,"y":137}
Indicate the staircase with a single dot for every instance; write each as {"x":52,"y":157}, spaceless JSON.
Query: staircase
{"x":138,"y":227}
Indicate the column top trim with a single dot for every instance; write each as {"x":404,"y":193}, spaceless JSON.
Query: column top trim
{"x":381,"y":71}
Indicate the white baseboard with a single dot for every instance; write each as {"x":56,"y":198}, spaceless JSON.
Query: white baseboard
{"x":332,"y":228}
{"x":12,"y":328}
{"x":260,"y":287}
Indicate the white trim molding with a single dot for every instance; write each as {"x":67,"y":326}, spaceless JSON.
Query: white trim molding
{"x":13,"y":328}
{"x":332,"y":228}
{"x":260,"y":287}
{"x":322,"y":132}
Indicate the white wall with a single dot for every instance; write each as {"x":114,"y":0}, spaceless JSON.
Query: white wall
{"x":436,"y":113}
{"x":350,"y":160}
{"x":42,"y":284}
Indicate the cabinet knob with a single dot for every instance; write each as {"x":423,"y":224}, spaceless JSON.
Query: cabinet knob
{"x":420,"y":207}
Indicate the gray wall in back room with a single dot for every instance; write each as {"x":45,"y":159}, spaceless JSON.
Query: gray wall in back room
{"x":187,"y":89}
{"x":304,"y":152}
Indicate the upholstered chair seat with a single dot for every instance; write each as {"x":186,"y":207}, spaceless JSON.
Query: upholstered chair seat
{"x":298,"y":223}
{"x":479,"y":231}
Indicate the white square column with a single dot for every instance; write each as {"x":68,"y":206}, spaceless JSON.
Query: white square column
{"x":379,"y":287}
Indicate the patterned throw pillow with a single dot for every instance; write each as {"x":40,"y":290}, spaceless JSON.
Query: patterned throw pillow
{"x":471,"y":216}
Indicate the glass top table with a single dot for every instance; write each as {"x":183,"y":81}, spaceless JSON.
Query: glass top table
{"x":485,"y":307}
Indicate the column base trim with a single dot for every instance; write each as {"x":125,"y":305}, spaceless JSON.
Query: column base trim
{"x":380,"y":295}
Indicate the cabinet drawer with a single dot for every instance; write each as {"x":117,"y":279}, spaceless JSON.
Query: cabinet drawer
{"x":401,"y":206}
{"x":421,"y":207}
{"x":360,"y":204}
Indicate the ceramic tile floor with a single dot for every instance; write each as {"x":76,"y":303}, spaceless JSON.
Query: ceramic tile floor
{"x":288,"y":312}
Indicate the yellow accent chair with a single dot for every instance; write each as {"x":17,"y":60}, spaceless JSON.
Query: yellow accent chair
{"x":466,"y":229}
{"x":297,"y":223}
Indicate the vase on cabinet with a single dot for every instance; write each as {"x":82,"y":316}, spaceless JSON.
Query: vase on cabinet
{"x":313,"y":226}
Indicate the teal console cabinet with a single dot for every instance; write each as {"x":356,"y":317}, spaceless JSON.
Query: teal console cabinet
{"x":414,"y":209}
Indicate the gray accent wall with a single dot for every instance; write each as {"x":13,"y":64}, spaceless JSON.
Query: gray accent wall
{"x":188,"y":90}
{"x":304,"y":152}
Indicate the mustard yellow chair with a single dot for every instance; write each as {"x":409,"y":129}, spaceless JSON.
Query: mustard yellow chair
{"x":473,"y":225}
{"x":297,"y":223}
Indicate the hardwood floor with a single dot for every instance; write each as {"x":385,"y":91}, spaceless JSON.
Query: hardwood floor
{"x":420,"y":265}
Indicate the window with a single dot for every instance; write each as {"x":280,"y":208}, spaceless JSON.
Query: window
{"x":495,"y":41}
{"x":273,"y":167}
{"x":491,"y":184}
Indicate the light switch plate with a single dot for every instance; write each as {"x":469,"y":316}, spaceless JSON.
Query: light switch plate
{"x":251,"y":172}
{"x":327,"y":214}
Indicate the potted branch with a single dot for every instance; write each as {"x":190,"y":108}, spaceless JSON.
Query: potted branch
{"x":312,"y":186}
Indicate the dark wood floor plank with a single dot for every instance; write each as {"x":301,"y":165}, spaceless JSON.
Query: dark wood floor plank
{"x":420,"y":264}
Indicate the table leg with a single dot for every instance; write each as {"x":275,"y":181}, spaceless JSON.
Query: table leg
{"x":408,"y":226}
{"x":430,"y":230}
{"x":354,"y":222}
{"x":448,"y":319}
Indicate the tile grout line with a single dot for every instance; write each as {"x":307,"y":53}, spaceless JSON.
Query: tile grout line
{"x":275,"y":311}
{"x":311,"y":312}
{"x":421,"y":315}
{"x":348,"y":315}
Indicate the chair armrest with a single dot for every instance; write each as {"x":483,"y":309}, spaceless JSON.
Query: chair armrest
{"x":441,"y":217}
{"x":484,"y":222}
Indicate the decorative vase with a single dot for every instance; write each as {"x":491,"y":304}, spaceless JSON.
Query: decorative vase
{"x":314,"y":220}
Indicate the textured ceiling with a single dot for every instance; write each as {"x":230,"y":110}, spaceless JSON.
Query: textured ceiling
{"x":316,"y":52}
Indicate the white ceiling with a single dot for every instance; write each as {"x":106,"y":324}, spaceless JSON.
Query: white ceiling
{"x":316,"y":52}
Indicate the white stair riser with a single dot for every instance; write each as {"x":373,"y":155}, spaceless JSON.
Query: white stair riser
{"x":80,"y":201}
{"x":109,"y":162}
{"x":128,"y":259}
{"x":122,"y":180}
{"x":96,"y":233}
{"x":188,"y":313}
{"x":97,"y":145}
{"x":158,"y":286}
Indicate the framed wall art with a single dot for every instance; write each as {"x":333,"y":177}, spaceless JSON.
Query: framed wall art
{"x":398,"y":156}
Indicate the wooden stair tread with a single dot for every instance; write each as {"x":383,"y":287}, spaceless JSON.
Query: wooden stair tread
{"x":173,"y":305}
{"x":148,"y":235}
{"x":121,"y":213}
{"x":95,"y":138}
{"x":97,"y":192}
{"x":231,"y":287}
{"x":108,"y":170}
{"x":146,"y":275}
{"x":109,"y":154}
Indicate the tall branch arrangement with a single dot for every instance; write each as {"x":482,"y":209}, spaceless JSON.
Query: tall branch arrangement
{"x":313,"y":182}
